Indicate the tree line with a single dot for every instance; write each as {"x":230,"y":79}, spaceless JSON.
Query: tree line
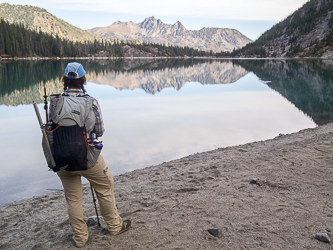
{"x":17,"y":41}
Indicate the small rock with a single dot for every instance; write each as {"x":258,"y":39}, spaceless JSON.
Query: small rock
{"x":216,"y":232}
{"x":93,"y":220}
{"x":323,"y":237}
{"x":254,"y":181}
{"x":149,"y":203}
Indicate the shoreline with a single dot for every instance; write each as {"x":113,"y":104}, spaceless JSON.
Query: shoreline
{"x":272,"y":194}
{"x":37,"y":58}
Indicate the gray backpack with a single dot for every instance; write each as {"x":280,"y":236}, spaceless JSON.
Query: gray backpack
{"x":73,"y":121}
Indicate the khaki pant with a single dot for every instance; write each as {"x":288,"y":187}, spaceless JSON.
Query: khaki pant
{"x":101,"y":180}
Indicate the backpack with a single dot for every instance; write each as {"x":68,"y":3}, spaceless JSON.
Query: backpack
{"x":73,"y":121}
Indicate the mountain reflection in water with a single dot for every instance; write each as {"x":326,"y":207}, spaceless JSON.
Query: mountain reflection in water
{"x":157,"y":110}
{"x":305,"y":83}
{"x":153,"y":81}
{"x":23,"y":82}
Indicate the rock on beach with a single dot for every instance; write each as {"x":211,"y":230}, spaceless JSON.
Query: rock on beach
{"x":323,"y":237}
{"x":172,"y":205}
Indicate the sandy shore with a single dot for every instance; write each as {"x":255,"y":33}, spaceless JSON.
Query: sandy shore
{"x":172,"y":205}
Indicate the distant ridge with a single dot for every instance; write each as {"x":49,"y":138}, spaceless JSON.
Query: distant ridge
{"x":39,"y":19}
{"x":153,"y":30}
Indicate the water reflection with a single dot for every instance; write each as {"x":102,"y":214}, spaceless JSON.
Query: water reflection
{"x":23,"y":82}
{"x":305,"y":83}
{"x":308,"y":84}
{"x":153,"y":81}
{"x":145,"y":130}
{"x":159,"y":110}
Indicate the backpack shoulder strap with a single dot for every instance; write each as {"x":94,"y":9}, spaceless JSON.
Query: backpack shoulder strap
{"x":56,"y":103}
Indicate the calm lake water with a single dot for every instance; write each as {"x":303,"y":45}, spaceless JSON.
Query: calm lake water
{"x":159,"y":110}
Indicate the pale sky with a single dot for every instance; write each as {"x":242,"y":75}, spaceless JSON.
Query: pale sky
{"x":250,"y":17}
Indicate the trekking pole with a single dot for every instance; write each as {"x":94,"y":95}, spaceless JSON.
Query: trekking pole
{"x":94,"y":200}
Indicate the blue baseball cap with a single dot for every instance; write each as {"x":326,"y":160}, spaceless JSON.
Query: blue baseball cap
{"x":76,"y":68}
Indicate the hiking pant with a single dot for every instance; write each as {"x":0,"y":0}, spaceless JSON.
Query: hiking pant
{"x":101,"y":180}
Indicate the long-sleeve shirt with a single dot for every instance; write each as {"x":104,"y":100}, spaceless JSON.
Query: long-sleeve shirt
{"x":99,"y":124}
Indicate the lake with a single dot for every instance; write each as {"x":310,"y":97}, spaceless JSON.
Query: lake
{"x":157,"y":110}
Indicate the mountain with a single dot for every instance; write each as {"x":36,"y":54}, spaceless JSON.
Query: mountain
{"x":39,"y":19}
{"x":308,"y":32}
{"x":155,"y":31}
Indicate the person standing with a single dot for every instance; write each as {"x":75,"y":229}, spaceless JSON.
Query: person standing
{"x":98,"y":175}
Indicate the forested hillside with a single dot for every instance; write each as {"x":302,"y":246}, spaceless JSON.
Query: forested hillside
{"x":17,"y":41}
{"x":35,"y":18}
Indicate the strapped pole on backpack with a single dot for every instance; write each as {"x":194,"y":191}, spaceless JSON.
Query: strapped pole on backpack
{"x":94,"y":200}
{"x":53,"y":163}
{"x":45,"y":105}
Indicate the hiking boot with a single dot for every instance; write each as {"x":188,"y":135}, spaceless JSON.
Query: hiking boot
{"x":126,"y":225}
{"x":80,"y":244}
{"x":80,"y":241}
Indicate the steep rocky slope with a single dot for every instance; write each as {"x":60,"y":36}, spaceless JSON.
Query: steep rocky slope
{"x":307,"y":32}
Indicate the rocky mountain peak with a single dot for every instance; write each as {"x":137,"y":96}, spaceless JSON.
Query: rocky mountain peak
{"x":179,"y":26}
{"x":155,"y":31}
{"x":150,"y":19}
{"x":151,"y":23}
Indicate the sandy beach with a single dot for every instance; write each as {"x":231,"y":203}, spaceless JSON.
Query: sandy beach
{"x":273,"y":194}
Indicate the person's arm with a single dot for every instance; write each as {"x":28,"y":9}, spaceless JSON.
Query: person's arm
{"x":99,"y":124}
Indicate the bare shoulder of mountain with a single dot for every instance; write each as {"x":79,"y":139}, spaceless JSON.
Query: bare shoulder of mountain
{"x":39,"y":19}
{"x":308,"y":32}
{"x":155,"y":31}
